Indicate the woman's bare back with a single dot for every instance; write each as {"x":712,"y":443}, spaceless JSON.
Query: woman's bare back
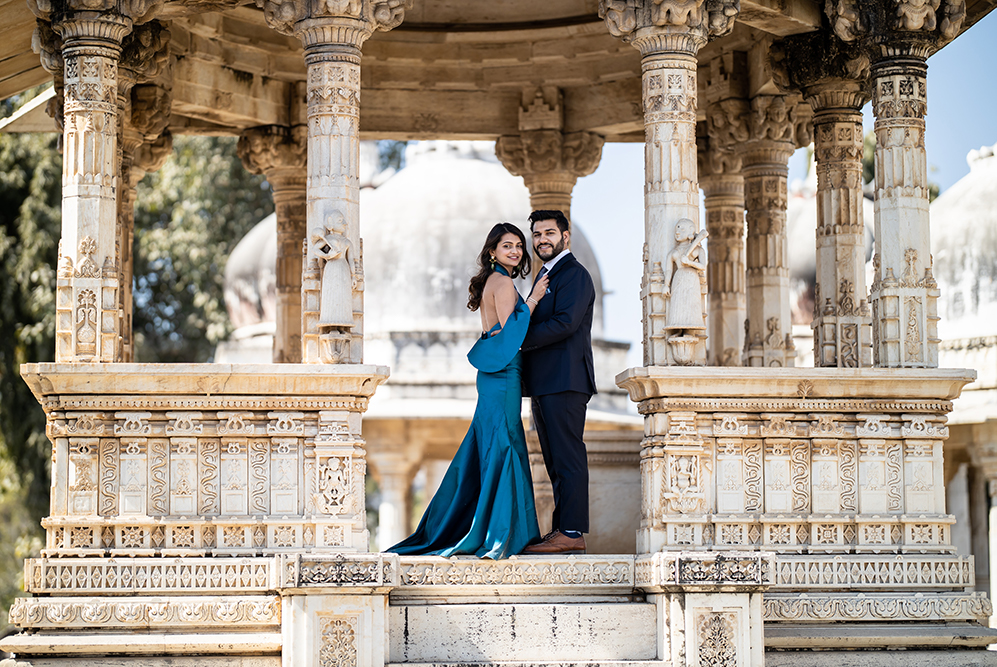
{"x":498,"y":300}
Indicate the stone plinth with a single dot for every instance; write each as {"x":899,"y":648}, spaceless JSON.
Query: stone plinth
{"x":204,"y":459}
{"x":837,"y":471}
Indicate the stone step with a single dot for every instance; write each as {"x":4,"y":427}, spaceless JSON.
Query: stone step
{"x":583,"y":633}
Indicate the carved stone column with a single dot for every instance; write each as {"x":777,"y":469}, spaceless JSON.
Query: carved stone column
{"x":842,"y":318}
{"x":279,"y":152}
{"x":773,"y":123}
{"x":549,"y":160}
{"x":669,"y":35}
{"x":88,"y":316}
{"x":833,"y":77}
{"x":332,"y":34}
{"x":723,"y":192}
{"x":904,"y":293}
{"x":143,"y":114}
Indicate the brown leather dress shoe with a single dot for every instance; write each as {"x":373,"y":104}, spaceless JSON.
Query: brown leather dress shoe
{"x":556,"y":542}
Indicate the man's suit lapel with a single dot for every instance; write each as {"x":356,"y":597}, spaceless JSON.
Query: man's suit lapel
{"x":565,"y":261}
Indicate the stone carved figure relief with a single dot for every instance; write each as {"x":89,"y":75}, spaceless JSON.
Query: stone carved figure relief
{"x":334,"y":486}
{"x":845,"y":18}
{"x":917,"y":14}
{"x":335,"y":254}
{"x":684,"y":274}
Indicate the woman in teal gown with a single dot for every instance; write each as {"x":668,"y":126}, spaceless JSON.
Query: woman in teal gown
{"x":484,"y":505}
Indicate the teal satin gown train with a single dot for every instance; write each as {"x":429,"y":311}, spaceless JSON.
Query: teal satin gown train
{"x":485,"y":505}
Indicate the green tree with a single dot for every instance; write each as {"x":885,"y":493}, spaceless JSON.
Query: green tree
{"x":189,"y":216}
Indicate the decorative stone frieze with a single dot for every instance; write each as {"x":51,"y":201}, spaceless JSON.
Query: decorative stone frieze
{"x":669,"y":35}
{"x":134,"y":613}
{"x":690,"y":571}
{"x":606,"y":574}
{"x":280,"y":153}
{"x":231,"y":473}
{"x":332,"y":272}
{"x":882,"y":607}
{"x":149,"y":576}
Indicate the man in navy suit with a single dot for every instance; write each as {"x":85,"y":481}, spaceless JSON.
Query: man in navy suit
{"x":559,"y":375}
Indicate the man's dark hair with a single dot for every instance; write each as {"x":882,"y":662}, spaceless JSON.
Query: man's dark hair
{"x":556,"y":216}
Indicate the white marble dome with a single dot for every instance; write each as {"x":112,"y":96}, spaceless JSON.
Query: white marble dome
{"x":422,"y":230}
{"x":964,"y":248}
{"x":424,"y":227}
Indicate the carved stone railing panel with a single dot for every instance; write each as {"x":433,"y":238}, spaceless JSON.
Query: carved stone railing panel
{"x":230,"y":461}
{"x":818,"y":462}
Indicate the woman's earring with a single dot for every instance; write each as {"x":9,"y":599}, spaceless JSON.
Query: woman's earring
{"x":492,"y":260}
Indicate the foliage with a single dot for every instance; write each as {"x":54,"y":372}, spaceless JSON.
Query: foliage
{"x":189,"y":216}
{"x":391,"y":154}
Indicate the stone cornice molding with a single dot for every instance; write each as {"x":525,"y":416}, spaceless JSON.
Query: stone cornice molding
{"x":344,"y":22}
{"x":668,"y":26}
{"x":544,"y":151}
{"x":272,"y":148}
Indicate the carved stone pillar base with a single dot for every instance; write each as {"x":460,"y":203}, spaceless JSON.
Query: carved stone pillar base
{"x":230,"y":460}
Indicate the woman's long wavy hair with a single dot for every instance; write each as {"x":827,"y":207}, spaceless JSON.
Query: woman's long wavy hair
{"x":485,"y":268}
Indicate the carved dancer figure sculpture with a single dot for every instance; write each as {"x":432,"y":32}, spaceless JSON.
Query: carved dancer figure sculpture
{"x":684,"y":271}
{"x":334,"y":252}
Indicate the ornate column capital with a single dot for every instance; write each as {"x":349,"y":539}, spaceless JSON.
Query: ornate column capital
{"x":271,"y":148}
{"x":897,"y":27}
{"x":327,"y":22}
{"x":136,"y":11}
{"x":655,"y":26}
{"x":538,"y":151}
{"x":145,"y":53}
{"x":550,"y":163}
{"x":830,"y":73}
{"x":782,"y":119}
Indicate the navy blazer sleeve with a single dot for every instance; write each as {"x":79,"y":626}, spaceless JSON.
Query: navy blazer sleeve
{"x":573,"y":296}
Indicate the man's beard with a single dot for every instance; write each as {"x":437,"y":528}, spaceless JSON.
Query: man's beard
{"x":558,"y":247}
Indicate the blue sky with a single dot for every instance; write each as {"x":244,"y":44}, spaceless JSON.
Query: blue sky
{"x":608,"y":206}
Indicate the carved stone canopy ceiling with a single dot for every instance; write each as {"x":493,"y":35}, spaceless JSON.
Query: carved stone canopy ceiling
{"x":454,"y":69}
